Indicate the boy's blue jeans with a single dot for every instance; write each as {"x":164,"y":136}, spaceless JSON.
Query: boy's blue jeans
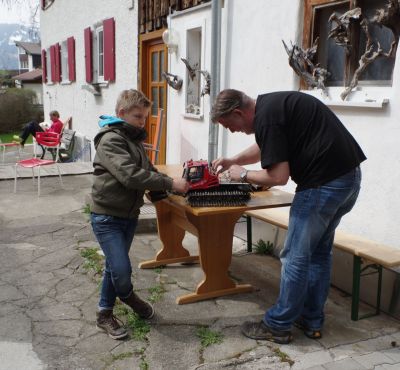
{"x":307,"y":254}
{"x":115,"y":237}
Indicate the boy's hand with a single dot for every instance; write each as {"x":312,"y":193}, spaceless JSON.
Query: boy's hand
{"x":180,"y":185}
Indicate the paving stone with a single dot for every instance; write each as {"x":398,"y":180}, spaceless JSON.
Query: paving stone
{"x":393,"y":354}
{"x":347,"y":364}
{"x":311,"y":359}
{"x":372,"y":359}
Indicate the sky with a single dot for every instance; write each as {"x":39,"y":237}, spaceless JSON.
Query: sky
{"x":19,"y":12}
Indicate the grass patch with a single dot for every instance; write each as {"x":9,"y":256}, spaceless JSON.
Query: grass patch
{"x":156,"y":293}
{"x":143,"y":365}
{"x":263,"y":247}
{"x":284,"y":357}
{"x":158,"y":270}
{"x":93,"y":260}
{"x":8,"y":138}
{"x":209,"y":337}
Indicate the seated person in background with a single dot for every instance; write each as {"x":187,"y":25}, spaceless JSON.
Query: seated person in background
{"x":33,"y":127}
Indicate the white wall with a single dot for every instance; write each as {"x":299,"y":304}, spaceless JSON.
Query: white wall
{"x":254,"y":60}
{"x":67,"y":18}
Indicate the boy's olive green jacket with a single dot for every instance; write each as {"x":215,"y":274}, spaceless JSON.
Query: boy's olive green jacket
{"x":122,"y":172}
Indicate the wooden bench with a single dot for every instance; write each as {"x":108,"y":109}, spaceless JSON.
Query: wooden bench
{"x":372,"y":254}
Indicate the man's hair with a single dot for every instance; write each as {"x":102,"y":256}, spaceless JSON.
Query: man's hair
{"x":227,"y":101}
{"x":54,"y":113}
{"x":129,"y":99}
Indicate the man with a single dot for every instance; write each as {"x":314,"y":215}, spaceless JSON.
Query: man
{"x":33,"y":127}
{"x":296,"y":136}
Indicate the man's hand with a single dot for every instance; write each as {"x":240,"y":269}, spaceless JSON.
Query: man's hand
{"x":180,"y":185}
{"x":234,"y":173}
{"x":221,"y":164}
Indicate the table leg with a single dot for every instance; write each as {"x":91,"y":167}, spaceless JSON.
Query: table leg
{"x":171,"y":237}
{"x":215,"y":233}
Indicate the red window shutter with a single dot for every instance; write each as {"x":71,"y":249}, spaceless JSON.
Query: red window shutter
{"x":88,"y":54}
{"x":109,"y":49}
{"x":43,"y":2}
{"x":53,"y":63}
{"x":58,"y":61}
{"x":71,"y":58}
{"x":44,"y":66}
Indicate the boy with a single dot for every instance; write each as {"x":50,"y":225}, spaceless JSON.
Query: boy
{"x":33,"y":127}
{"x":122,"y":173}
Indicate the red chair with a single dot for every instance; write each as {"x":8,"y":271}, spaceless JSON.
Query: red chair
{"x":47,"y":140}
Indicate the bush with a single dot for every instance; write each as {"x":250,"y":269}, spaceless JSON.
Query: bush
{"x":17,"y":109}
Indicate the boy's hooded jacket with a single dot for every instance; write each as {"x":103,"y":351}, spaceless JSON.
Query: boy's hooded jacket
{"x":122,"y":170}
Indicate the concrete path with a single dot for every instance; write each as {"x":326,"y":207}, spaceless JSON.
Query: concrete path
{"x":49,"y":294}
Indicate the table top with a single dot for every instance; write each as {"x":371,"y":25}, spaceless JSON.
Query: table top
{"x":262,"y":199}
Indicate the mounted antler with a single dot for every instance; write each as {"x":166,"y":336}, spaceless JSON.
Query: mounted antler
{"x":173,"y":80}
{"x":207,"y":78}
{"x":191,"y":70}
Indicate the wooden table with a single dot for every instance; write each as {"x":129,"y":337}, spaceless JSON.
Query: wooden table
{"x":214,"y":228}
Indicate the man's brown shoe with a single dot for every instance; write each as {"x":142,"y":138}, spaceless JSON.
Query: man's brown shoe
{"x":259,"y":331}
{"x":107,"y":322}
{"x":144,"y":309}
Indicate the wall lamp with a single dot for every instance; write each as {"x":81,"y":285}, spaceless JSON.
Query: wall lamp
{"x":170,"y":38}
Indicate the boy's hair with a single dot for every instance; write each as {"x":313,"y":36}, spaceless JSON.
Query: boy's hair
{"x":54,"y":113}
{"x":129,"y":99}
{"x":227,"y":101}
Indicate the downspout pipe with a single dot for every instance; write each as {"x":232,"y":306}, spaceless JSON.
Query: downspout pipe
{"x":216,"y":6}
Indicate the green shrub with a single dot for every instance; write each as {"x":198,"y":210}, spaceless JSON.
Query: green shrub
{"x":263,"y":247}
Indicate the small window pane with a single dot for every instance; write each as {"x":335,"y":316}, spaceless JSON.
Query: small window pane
{"x":154,"y":99}
{"x":161,"y":92}
{"x":101,"y":53}
{"x":380,"y":69}
{"x":330,"y":55}
{"x":154,"y":66}
{"x":160,"y":78}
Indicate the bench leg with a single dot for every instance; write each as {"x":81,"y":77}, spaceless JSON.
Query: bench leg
{"x":357,"y":273}
{"x":249,"y":234}
{"x":355,"y":301}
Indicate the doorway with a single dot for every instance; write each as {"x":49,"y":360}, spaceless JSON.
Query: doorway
{"x":153,"y":61}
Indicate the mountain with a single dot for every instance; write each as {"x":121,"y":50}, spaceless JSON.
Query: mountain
{"x":9,"y":33}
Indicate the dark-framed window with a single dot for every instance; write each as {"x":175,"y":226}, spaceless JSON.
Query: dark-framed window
{"x":341,"y":65}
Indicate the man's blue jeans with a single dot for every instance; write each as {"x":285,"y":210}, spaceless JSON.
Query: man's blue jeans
{"x":307,"y":254}
{"x":115,"y":237}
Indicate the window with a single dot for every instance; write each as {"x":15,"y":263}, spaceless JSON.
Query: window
{"x":64,"y":62}
{"x":193,"y":65}
{"x":342,"y":61}
{"x":100,"y":52}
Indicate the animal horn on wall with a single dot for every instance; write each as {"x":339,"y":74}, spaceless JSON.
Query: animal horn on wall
{"x":173,"y":80}
{"x":191,"y":70}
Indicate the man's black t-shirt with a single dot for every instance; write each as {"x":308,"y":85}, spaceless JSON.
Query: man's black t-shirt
{"x":300,"y":129}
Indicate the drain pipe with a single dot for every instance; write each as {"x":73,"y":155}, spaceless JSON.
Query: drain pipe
{"x":216,"y":6}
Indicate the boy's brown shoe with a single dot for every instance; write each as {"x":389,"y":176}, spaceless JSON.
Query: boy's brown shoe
{"x":109,"y":323}
{"x":144,"y":309}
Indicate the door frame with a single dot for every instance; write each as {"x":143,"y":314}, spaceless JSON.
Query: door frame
{"x":145,"y":40}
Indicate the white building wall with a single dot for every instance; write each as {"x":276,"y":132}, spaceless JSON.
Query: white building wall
{"x":66,"y":18}
{"x":254,"y":60}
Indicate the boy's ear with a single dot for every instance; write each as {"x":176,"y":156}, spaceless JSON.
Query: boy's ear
{"x":120,"y":112}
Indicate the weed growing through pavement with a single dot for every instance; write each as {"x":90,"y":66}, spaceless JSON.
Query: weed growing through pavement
{"x":139,"y":327}
{"x":283,"y":356}
{"x":121,"y":356}
{"x":93,"y":260}
{"x":156,"y":293}
{"x":86,"y":209}
{"x":263,"y":247}
{"x":208,"y":337}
